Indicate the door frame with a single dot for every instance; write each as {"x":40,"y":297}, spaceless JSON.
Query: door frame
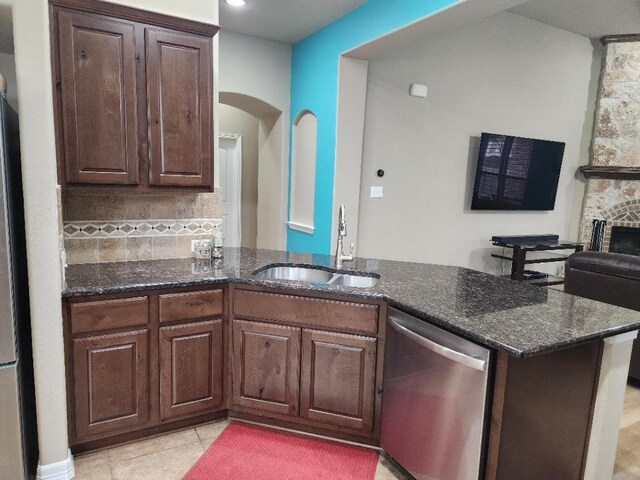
{"x":237,"y":158}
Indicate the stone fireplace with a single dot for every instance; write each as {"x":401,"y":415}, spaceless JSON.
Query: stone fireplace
{"x":613,"y":183}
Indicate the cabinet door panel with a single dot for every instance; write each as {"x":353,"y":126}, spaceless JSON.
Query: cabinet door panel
{"x":266,"y":367}
{"x":191,"y":366}
{"x":338,"y":379}
{"x":98,"y":86}
{"x":179,"y":86}
{"x":111,"y":381}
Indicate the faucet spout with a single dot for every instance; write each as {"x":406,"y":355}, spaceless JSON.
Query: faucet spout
{"x":342,"y":232}
{"x":342,"y":222}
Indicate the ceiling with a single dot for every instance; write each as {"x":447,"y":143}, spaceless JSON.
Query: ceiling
{"x":6,"y":30}
{"x":591,"y":18}
{"x":283,"y":20}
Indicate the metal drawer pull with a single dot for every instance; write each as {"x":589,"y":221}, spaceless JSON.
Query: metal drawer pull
{"x":441,"y":350}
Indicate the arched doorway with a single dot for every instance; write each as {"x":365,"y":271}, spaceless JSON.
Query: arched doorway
{"x":265,"y":192}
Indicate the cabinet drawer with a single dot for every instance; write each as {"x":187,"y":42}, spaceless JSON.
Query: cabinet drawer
{"x":308,"y":311}
{"x":108,"y":314}
{"x":186,"y":306}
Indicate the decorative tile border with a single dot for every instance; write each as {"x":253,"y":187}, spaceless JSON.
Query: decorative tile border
{"x":139,"y":228}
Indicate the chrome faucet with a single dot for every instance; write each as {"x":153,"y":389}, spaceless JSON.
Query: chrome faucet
{"x":342,"y":232}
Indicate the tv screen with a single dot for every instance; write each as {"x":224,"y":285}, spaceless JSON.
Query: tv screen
{"x":516,"y":173}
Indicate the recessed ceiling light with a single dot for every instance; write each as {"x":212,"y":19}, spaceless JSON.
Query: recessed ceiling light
{"x":236,"y":3}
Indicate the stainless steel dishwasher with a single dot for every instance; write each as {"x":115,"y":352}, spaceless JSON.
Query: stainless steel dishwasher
{"x":435,"y":394}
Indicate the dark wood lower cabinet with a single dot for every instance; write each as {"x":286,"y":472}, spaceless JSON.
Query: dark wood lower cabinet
{"x":541,"y":415}
{"x":145,"y":362}
{"x":191,"y":369}
{"x":338,"y":379}
{"x":266,"y":367}
{"x":111,"y":383}
{"x":321,"y":379}
{"x":131,"y":371}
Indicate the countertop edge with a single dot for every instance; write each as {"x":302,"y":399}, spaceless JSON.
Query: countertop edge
{"x":311,"y":288}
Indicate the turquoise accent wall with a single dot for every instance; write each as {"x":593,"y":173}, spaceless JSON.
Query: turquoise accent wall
{"x":314,"y":86}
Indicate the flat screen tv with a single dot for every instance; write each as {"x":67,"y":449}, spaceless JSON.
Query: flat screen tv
{"x":516,"y":173}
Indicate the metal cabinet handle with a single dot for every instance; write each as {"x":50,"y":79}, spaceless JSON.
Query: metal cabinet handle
{"x":441,"y":350}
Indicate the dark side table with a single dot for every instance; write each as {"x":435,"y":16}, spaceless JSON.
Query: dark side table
{"x":519,"y":258}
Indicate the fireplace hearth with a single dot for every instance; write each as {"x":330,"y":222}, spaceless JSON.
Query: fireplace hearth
{"x":625,"y":240}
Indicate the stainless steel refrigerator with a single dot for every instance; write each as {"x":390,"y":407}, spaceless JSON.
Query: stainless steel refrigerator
{"x":18,"y":433}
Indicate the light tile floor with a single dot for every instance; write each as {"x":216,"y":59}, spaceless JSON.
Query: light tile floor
{"x":169,"y":457}
{"x":628,"y":457}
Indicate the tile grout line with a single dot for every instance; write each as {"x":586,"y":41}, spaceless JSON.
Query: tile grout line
{"x":155,"y":451}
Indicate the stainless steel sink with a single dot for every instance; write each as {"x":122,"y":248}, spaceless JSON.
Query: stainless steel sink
{"x":296,"y":274}
{"x":317,"y":275}
{"x":357,"y":281}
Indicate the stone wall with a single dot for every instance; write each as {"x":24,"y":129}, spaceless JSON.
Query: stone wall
{"x":616,"y":140}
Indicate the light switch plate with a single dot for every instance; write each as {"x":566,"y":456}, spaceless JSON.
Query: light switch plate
{"x":377,"y":192}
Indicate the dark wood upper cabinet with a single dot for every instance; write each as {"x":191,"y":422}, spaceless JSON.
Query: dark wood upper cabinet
{"x":338,"y":379}
{"x":266,"y":367}
{"x":179,"y":97}
{"x":133,"y":97}
{"x":98,"y":99}
{"x":191,"y":369}
{"x":111,"y":383}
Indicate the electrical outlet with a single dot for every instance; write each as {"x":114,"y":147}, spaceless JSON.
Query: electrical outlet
{"x":197,"y":245}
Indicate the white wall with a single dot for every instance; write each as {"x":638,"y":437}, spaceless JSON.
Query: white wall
{"x":42,"y":215}
{"x":256,"y":67}
{"x":234,"y":120}
{"x":350,"y":121}
{"x":260,"y":70}
{"x":504,"y":74}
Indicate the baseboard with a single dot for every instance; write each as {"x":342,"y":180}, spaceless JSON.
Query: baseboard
{"x":57,"y":471}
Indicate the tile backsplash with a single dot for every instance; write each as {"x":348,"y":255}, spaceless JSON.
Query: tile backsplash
{"x":106,"y":227}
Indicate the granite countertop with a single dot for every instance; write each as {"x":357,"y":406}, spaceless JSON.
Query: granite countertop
{"x":500,"y":313}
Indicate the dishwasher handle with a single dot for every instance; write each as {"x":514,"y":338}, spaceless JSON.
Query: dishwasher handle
{"x":441,"y":350}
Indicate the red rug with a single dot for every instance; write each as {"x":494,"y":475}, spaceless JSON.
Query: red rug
{"x":247,"y":452}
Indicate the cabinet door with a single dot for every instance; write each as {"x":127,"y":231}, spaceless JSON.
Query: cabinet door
{"x":98,"y":99}
{"x":266,"y":367}
{"x":179,"y":95}
{"x":111,"y":381}
{"x":191,"y":369}
{"x":338,"y":379}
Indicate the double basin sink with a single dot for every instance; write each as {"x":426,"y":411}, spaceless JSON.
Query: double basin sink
{"x":310,"y":274}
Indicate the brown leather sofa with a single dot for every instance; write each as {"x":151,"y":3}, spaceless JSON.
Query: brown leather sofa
{"x":611,"y":278}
